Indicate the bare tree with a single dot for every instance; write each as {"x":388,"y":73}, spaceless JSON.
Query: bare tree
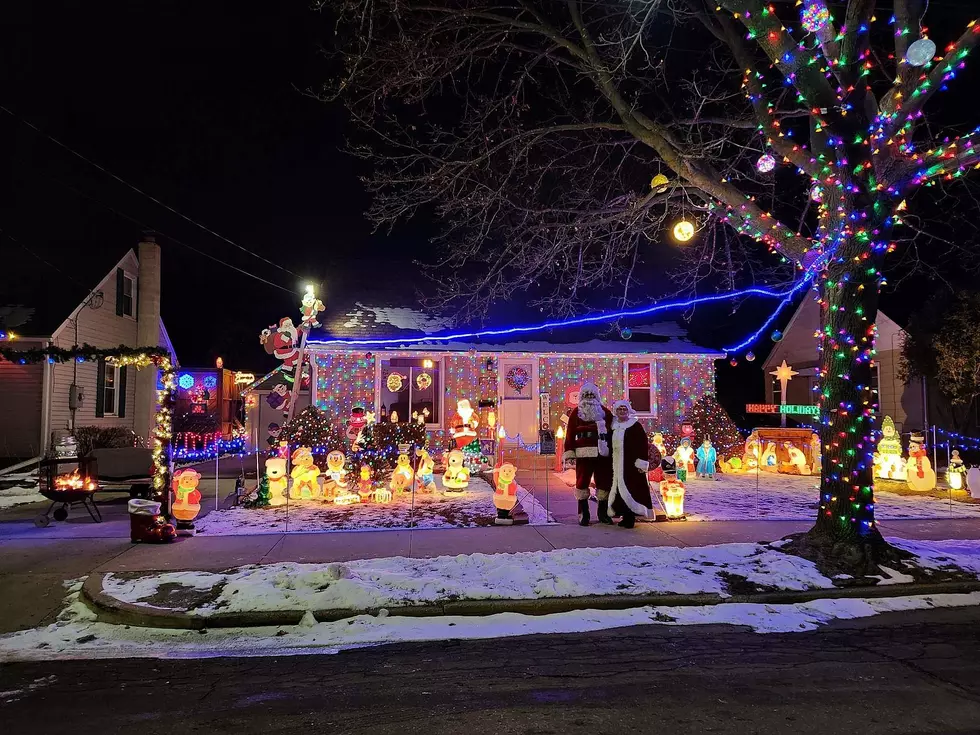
{"x":533,"y":129}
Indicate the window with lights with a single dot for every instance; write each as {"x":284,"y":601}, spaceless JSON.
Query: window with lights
{"x":411,"y":387}
{"x":641,"y":386}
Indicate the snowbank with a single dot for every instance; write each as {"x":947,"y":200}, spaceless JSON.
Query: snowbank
{"x":377,"y":583}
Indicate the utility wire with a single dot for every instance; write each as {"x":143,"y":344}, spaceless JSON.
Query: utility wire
{"x":147,"y":227}
{"x":152,"y":198}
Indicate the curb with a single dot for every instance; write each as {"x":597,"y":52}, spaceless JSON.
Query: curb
{"x":111,"y":610}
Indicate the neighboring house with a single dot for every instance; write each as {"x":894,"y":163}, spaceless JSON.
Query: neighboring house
{"x":527,"y":384}
{"x":906,"y":404}
{"x":122,"y":308}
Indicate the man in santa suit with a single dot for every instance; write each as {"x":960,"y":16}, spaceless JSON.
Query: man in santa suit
{"x":630,"y":493}
{"x":587,"y":442}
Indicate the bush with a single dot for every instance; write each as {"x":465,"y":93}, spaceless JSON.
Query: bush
{"x":101,"y":437}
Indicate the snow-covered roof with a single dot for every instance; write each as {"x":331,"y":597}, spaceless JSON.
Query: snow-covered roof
{"x":366,"y":322}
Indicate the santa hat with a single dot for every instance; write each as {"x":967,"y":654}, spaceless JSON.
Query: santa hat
{"x":624,"y":404}
{"x":589,"y":388}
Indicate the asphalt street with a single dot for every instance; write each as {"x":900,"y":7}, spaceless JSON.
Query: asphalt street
{"x":897,"y":673}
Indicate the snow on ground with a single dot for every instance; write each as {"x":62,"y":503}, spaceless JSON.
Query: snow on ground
{"x":18,"y":489}
{"x":421,"y":510}
{"x":772,"y":497}
{"x":394,"y":581}
{"x":77,"y":635}
{"x":962,"y":553}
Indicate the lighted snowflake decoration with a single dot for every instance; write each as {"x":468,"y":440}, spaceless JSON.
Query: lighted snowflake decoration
{"x":210,"y":382}
{"x":815,"y":16}
{"x":186,"y":381}
{"x":766,"y":163}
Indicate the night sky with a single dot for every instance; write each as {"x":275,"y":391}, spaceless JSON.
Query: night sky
{"x":199,"y":103}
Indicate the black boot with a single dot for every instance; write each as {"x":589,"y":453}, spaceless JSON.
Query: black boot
{"x":583,"y":512}
{"x":629,"y":519}
{"x":604,"y":512}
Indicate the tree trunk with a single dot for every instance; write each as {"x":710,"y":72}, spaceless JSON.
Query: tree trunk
{"x":849,"y":305}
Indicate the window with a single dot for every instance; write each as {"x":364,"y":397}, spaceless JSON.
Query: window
{"x":128,"y":290}
{"x":777,"y":391}
{"x":110,"y":392}
{"x":641,"y":387}
{"x":411,"y":387}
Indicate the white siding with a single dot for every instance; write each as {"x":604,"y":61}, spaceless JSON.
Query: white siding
{"x":99,"y":328}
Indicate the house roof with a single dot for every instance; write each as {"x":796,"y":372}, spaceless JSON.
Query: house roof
{"x":42,"y":296}
{"x":360,"y":321}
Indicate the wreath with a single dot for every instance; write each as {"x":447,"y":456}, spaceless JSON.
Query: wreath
{"x":518,"y":378}
{"x":395,"y":382}
{"x":423,"y":380}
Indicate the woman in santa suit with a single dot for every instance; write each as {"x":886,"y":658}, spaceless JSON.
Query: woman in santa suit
{"x":630,"y":494}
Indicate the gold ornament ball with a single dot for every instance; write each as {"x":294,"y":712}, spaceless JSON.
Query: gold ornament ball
{"x":683,"y":231}
{"x":659,"y":183}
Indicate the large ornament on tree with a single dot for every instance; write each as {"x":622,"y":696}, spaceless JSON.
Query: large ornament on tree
{"x":921,"y":52}
{"x":683,"y":231}
{"x":766,"y":163}
{"x":815,"y":16}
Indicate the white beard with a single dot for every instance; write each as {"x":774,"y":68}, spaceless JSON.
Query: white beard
{"x":590,"y":411}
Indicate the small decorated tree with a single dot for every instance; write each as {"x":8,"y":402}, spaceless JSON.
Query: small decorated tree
{"x":378,"y":445}
{"x":711,"y":421}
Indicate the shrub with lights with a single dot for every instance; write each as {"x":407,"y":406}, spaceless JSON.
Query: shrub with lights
{"x":378,"y":446}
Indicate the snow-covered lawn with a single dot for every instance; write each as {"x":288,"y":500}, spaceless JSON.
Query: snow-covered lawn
{"x":421,"y":510}
{"x":18,"y":489}
{"x":531,"y":575}
{"x":772,"y":497}
{"x":77,"y":635}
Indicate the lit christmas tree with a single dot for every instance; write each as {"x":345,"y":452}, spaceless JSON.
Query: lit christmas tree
{"x":313,"y":429}
{"x":378,"y":445}
{"x":711,"y":421}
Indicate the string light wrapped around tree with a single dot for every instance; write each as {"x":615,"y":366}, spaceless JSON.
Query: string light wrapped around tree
{"x":815,"y":16}
{"x":766,"y":163}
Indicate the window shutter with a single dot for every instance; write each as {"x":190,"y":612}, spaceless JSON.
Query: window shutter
{"x":100,"y":389}
{"x":120,"y":275}
{"x":121,"y":413}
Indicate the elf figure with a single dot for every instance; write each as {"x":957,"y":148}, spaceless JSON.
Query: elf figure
{"x":684,"y":457}
{"x":707,"y":458}
{"x":309,"y":308}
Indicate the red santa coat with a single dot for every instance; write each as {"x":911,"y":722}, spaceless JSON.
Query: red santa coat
{"x":630,"y":489}
{"x":587,"y":439}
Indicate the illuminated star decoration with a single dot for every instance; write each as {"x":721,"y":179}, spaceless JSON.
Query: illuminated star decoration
{"x":783,"y":373}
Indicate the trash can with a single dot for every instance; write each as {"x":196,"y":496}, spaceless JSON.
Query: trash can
{"x":147,"y":524}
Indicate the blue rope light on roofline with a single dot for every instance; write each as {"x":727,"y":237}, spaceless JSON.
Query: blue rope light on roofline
{"x":785,"y":295}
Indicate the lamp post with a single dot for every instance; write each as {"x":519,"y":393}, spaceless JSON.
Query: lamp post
{"x":501,"y":435}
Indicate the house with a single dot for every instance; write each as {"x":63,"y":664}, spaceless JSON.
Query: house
{"x":104,"y":302}
{"x":528,"y":384}
{"x":906,"y":404}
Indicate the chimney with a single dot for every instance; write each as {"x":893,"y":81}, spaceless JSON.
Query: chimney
{"x":147,"y":333}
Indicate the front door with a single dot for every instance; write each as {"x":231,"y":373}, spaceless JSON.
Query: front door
{"x":519,"y":398}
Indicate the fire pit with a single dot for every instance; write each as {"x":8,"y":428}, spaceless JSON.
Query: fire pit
{"x":65,"y":481}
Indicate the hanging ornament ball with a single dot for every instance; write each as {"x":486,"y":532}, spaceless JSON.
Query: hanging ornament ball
{"x":750,"y":357}
{"x":776,"y":335}
{"x":921,"y":52}
{"x":733,"y":362}
{"x":626,"y":333}
{"x":816,"y":193}
{"x":659,"y":183}
{"x":766,"y":163}
{"x":683,"y":231}
{"x":815,"y":16}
